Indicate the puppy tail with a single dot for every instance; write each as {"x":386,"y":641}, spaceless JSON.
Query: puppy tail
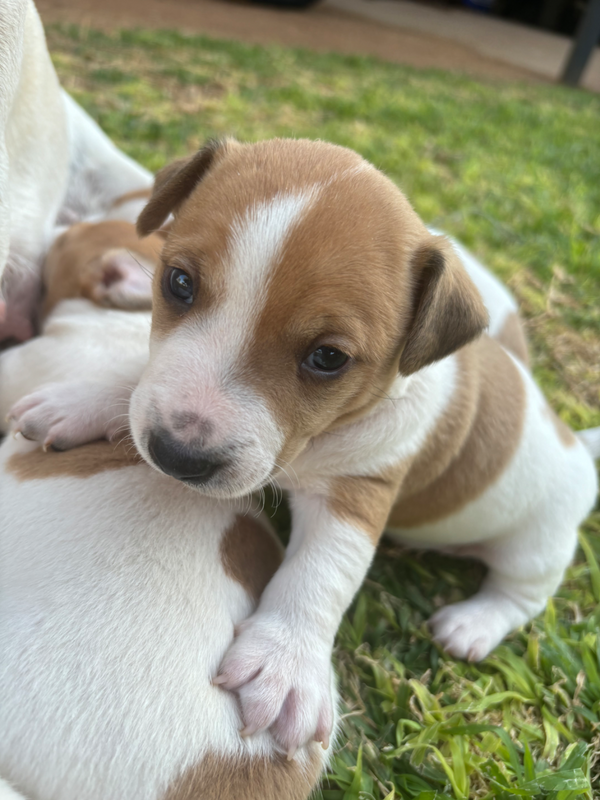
{"x":591,"y":439}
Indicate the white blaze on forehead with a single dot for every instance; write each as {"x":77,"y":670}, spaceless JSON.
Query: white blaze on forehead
{"x":255,"y":243}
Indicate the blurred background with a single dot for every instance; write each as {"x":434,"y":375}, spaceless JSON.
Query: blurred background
{"x":528,"y":39}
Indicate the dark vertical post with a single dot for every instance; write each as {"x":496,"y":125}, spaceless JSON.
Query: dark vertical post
{"x":586,"y":39}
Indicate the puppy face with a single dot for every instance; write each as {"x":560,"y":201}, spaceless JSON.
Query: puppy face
{"x":295,"y":283}
{"x":105,"y":262}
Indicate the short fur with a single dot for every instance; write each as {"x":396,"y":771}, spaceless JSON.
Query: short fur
{"x":121,"y":590}
{"x":294,"y":246}
{"x":56,"y":165}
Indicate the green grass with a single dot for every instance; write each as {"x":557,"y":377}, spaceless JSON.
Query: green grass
{"x":514,"y":171}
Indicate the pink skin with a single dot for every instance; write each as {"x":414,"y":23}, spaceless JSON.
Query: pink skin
{"x":18,"y":308}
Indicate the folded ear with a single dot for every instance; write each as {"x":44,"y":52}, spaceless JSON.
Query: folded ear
{"x":174,"y":184}
{"x":447,"y":309}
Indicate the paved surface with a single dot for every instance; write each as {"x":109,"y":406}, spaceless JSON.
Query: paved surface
{"x":326,"y":27}
{"x":535,"y":50}
{"x":395,"y":30}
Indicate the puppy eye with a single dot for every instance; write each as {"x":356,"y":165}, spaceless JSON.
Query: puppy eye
{"x":181,"y":285}
{"x":326,"y":359}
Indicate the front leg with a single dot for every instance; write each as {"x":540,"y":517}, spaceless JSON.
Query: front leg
{"x":280,"y":661}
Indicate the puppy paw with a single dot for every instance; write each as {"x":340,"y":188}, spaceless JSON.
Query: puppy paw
{"x":65,"y":415}
{"x":470,"y":630}
{"x":283,"y":680}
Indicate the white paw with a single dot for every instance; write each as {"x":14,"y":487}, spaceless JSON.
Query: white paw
{"x":283,"y":679}
{"x":471,"y":629}
{"x":63,"y":415}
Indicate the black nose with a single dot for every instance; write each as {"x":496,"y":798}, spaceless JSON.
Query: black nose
{"x":181,"y":461}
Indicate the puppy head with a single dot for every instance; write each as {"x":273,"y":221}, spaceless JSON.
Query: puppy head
{"x":296,"y":282}
{"x":105,"y":262}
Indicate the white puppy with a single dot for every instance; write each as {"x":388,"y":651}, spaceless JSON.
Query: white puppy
{"x":120,"y":586}
{"x":55,"y":164}
{"x":307,"y":328}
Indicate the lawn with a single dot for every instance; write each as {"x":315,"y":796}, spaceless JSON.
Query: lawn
{"x":513,"y":171}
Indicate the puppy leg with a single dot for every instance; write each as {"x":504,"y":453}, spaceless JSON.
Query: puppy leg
{"x":524,"y":571}
{"x":280,"y":661}
{"x":279,"y":664}
{"x":69,"y":414}
{"x":8,"y":793}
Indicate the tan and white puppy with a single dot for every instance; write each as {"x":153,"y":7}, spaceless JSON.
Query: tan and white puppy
{"x":120,"y":586}
{"x":108,"y":264}
{"x":308,"y":329}
{"x":55,"y":164}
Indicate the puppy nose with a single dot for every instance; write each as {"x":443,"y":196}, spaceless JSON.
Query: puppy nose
{"x":180,"y":460}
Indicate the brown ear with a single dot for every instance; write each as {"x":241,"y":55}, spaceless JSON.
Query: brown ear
{"x":448,"y":311}
{"x":174,"y":183}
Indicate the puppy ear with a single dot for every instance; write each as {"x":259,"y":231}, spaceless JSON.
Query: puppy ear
{"x":448,"y":311}
{"x":174,"y":184}
{"x":123,"y":281}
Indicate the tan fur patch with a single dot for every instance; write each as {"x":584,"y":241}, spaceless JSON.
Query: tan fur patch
{"x":74,"y":266}
{"x":81,"y":462}
{"x":250,"y":554}
{"x":366,"y":501}
{"x":139,"y":194}
{"x":246,"y":778}
{"x":473,"y":442}
{"x":564,"y":433}
{"x":512,"y":337}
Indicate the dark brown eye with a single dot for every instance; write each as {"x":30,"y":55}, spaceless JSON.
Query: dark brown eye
{"x":326,"y":359}
{"x":180,"y":285}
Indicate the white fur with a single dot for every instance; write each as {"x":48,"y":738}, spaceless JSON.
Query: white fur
{"x":55,"y":163}
{"x":284,"y":648}
{"x":99,"y":172}
{"x":77,"y":348}
{"x":591,"y":439}
{"x":115,"y":608}
{"x":8,"y":793}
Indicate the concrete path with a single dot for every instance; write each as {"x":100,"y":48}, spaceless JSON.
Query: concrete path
{"x":535,"y":50}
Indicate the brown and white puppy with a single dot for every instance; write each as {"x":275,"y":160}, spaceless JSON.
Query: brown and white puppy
{"x":308,"y":329}
{"x":108,"y":264}
{"x":120,"y":586}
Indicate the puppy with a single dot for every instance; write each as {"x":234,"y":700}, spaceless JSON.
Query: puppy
{"x":105,"y":263}
{"x":120,"y":586}
{"x":55,"y":164}
{"x":308,"y":329}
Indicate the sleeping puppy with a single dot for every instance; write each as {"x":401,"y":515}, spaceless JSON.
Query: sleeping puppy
{"x":308,"y":329}
{"x":105,"y":263}
{"x":55,"y":164}
{"x":120,"y":586}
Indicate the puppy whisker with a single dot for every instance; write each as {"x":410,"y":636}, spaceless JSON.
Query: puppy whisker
{"x":144,"y":269}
